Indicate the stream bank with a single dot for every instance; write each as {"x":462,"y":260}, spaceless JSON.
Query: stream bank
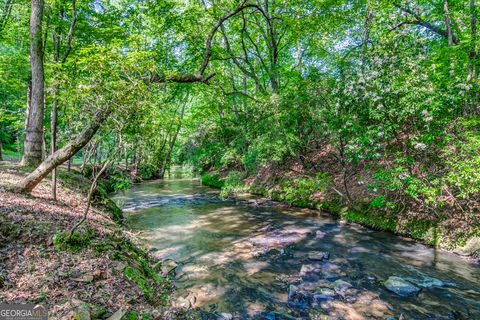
{"x":254,"y":259}
{"x":321,"y":192}
{"x":102,"y":273}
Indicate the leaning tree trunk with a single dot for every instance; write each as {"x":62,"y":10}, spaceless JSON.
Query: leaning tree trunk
{"x":34,"y":129}
{"x":60,"y":156}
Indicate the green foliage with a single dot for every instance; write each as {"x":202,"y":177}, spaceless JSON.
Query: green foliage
{"x":464,"y":161}
{"x":301,"y":191}
{"x":212,"y":179}
{"x":232,"y":184}
{"x":136,"y":276}
{"x":375,"y":220}
{"x":118,"y":181}
{"x":139,"y":268}
{"x":147,"y":171}
{"x":80,"y":240}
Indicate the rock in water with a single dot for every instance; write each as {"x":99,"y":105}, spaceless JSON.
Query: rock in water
{"x":292,"y":291}
{"x":318,"y":255}
{"x":310,"y":272}
{"x":426,"y":282}
{"x":298,"y":298}
{"x":168,"y":266}
{"x":400,"y":286}
{"x":340,"y":286}
{"x":324,"y":294}
{"x":225,"y":316}
{"x":320,"y":234}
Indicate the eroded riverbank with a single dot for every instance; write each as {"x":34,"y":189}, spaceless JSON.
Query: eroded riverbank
{"x":248,"y":261}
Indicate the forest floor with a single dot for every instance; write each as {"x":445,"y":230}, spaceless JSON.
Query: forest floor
{"x":101,"y":273}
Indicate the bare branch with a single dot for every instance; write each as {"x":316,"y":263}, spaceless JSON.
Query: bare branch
{"x":419,"y":21}
{"x":70,"y":32}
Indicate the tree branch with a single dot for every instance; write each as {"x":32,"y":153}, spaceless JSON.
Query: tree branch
{"x":70,"y":32}
{"x":198,"y":76}
{"x":420,"y":22}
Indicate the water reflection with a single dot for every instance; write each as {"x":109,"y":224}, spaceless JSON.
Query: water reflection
{"x":242,"y":259}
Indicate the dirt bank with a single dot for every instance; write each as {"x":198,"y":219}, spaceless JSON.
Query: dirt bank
{"x":102,"y":271}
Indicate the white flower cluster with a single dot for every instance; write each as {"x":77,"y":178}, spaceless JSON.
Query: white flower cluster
{"x":427,"y":116}
{"x":420,"y":146}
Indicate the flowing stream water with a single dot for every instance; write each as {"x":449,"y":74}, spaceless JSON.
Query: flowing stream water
{"x":249,"y":259}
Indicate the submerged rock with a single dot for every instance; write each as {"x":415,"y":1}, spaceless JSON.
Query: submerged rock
{"x":324,"y":294}
{"x":400,"y":286}
{"x":426,"y":282}
{"x":168,"y":266}
{"x":318,"y":255}
{"x":310,"y":272}
{"x":225,"y":316}
{"x":320,"y":234}
{"x":298,"y":297}
{"x":277,"y":316}
{"x":340,"y":286}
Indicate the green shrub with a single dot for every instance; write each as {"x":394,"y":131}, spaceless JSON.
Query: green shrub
{"x":211,"y":179}
{"x":464,"y":160}
{"x":116,"y":181}
{"x":301,"y":191}
{"x":147,"y":171}
{"x":233,"y":183}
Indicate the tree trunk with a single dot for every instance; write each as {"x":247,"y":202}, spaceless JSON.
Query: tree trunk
{"x":448,"y":24}
{"x":53,"y":144}
{"x":60,"y":156}
{"x":472,"y":55}
{"x":172,"y":144}
{"x":34,"y":130}
{"x":1,"y":155}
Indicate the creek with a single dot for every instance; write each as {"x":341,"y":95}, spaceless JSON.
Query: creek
{"x":253,"y":259}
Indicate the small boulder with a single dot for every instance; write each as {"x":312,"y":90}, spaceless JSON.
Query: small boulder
{"x":120,"y":266}
{"x":400,"y":286}
{"x":310,"y":272}
{"x":299,"y":254}
{"x":292,"y":290}
{"x":318,"y":255}
{"x":426,"y":282}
